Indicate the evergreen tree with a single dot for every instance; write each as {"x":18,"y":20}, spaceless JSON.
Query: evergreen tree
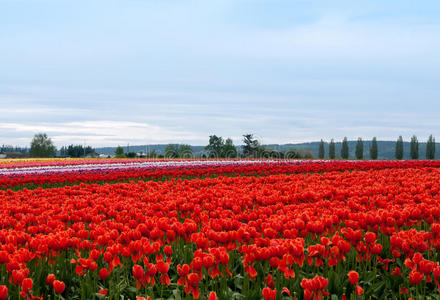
{"x":373,"y":149}
{"x":321,"y":150}
{"x":360,"y":149}
{"x":344,"y":148}
{"x":251,"y":146}
{"x":399,"y":148}
{"x":119,"y":152}
{"x":430,"y":148}
{"x":414,"y":146}
{"x":331,"y":150}
{"x":63,"y":151}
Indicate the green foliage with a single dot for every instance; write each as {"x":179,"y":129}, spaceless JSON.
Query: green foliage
{"x":331,"y":150}
{"x":178,"y":151}
{"x":172,"y":151}
{"x":219,"y":148}
{"x":42,"y":146}
{"x":228,"y":149}
{"x":251,"y":145}
{"x":359,"y":149}
{"x":131,"y":154}
{"x":215,"y":146}
{"x":119,"y":152}
{"x":373,"y":149}
{"x":76,"y":151}
{"x":430,"y":148}
{"x":185,"y":151}
{"x":344,"y":149}
{"x":321,"y":153}
{"x":399,"y":148}
{"x":414,"y":146}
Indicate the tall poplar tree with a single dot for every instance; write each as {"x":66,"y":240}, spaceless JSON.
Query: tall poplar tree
{"x":344,"y":148}
{"x":430,"y":148}
{"x":331,"y":150}
{"x":414,"y":146}
{"x":399,"y":148}
{"x":360,"y":149}
{"x":321,"y":152}
{"x":373,"y":149}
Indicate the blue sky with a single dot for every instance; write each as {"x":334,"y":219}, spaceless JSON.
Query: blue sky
{"x":118,"y":72}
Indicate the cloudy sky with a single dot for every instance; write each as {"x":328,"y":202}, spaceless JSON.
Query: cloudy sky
{"x":142,"y":72}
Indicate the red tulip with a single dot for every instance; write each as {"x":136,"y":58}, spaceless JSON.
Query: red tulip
{"x":3,"y":292}
{"x":138,"y":272}
{"x":103,"y":292}
{"x":269,"y":294}
{"x":415,"y":277}
{"x":26,"y":285}
{"x":353,"y":277}
{"x":50,"y":279}
{"x":168,"y":250}
{"x":212,"y":296}
{"x":59,"y":286}
{"x":103,"y":273}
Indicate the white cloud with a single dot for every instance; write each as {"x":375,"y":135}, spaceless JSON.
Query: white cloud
{"x":100,"y":133}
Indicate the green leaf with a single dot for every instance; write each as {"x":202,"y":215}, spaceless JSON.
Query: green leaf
{"x":237,"y":295}
{"x":132,"y":289}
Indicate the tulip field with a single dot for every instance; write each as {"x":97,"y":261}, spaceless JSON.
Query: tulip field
{"x":219,"y":229}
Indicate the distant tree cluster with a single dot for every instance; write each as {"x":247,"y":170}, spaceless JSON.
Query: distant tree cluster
{"x":359,"y":151}
{"x":220,"y":148}
{"x":178,"y":151}
{"x":14,"y":152}
{"x":10,"y":149}
{"x":76,"y":151}
{"x":42,"y":146}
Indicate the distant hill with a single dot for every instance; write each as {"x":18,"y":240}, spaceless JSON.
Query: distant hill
{"x":385,"y":149}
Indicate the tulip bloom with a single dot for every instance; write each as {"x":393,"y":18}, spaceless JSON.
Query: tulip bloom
{"x":353,"y":277}
{"x":103,"y":273}
{"x":415,"y":277}
{"x":26,"y":285}
{"x":269,"y":294}
{"x":50,"y":279}
{"x":59,"y":286}
{"x":359,"y":290}
{"x":3,"y":292}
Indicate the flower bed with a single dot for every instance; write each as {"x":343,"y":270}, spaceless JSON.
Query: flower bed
{"x":371,"y":230}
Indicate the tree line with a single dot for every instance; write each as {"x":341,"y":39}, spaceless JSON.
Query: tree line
{"x":219,"y":147}
{"x":359,"y":150}
{"x":42,"y":146}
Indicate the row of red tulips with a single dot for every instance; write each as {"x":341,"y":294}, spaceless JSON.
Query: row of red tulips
{"x":33,"y":180}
